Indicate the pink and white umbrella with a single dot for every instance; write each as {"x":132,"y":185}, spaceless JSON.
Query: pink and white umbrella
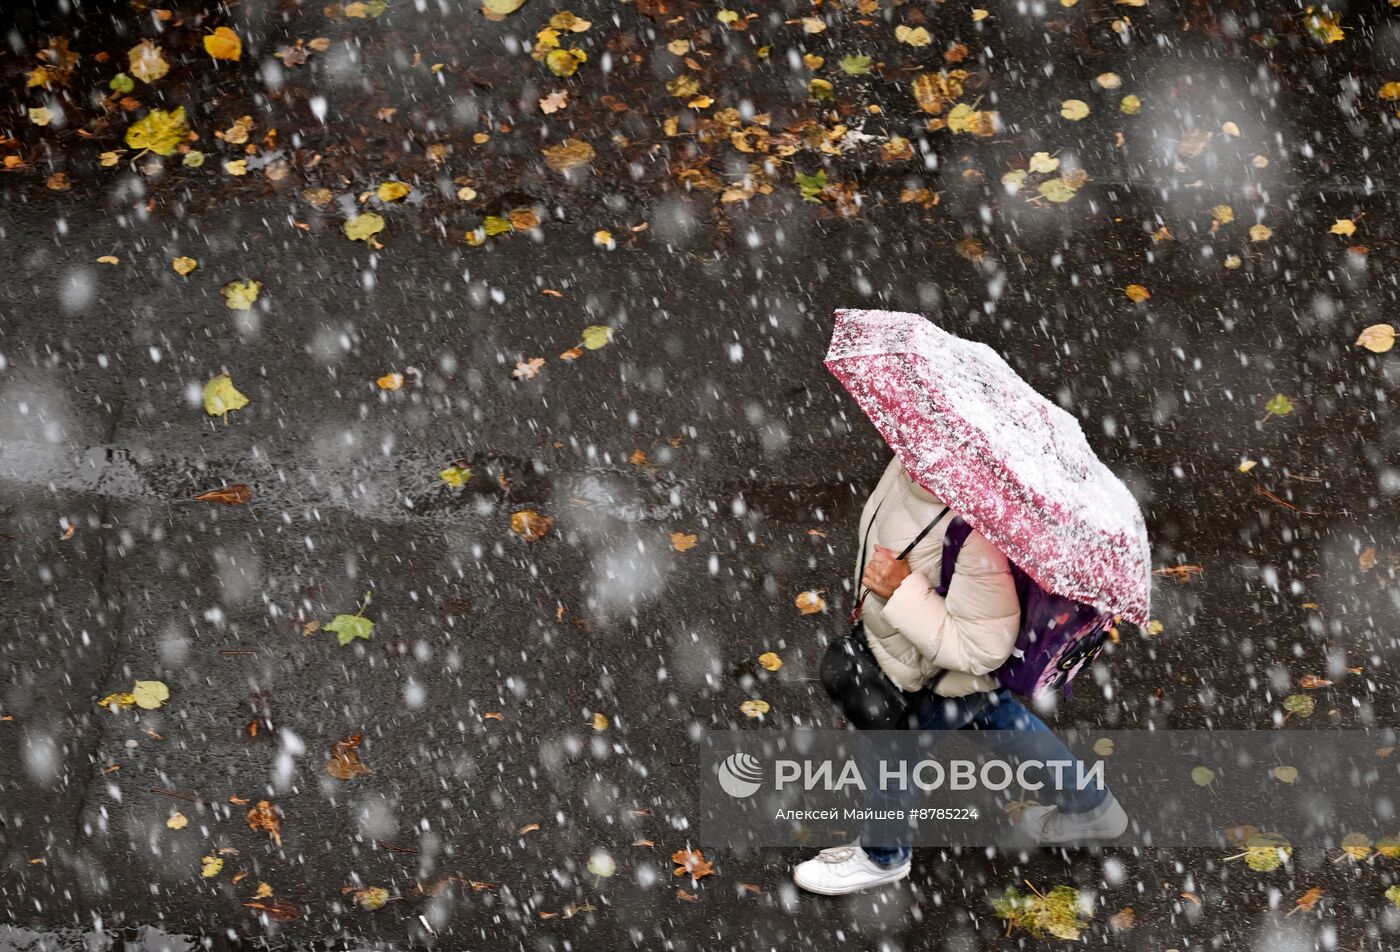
{"x":977,"y":436}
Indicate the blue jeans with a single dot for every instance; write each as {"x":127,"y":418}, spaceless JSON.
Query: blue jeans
{"x":991,"y":711}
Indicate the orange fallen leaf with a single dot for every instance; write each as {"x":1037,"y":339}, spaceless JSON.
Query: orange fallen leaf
{"x":1367,"y":560}
{"x":345,"y":759}
{"x":1307,"y":901}
{"x":683,"y":542}
{"x":279,"y":909}
{"x":494,"y":716}
{"x":1310,"y":681}
{"x":811,"y":602}
{"x":691,"y":863}
{"x":643,"y":843}
{"x":1181,"y":573}
{"x":234,"y":494}
{"x":265,"y":817}
{"x":573,"y":353}
{"x":1191,"y":897}
{"x":530,"y":525}
{"x":528,"y":828}
{"x":390,"y":381}
{"x":751,"y":887}
{"x":638,"y":458}
{"x":687,"y":895}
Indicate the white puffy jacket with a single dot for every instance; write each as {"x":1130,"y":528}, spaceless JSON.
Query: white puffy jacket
{"x":916,"y":632}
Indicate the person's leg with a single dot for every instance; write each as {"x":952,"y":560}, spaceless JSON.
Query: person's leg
{"x":1073,"y":814}
{"x":886,"y":843}
{"x":1020,"y":737}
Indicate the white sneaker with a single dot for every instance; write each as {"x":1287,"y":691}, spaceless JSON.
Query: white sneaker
{"x":845,"y":869}
{"x":1049,"y":825}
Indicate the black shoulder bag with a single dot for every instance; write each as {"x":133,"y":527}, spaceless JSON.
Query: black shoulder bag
{"x":852,"y":676}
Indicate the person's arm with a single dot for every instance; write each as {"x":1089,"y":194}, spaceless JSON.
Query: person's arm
{"x":974,"y":629}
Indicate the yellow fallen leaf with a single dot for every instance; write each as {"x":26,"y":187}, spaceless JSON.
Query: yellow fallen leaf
{"x":754,"y":708}
{"x":683,"y":542}
{"x":600,"y":721}
{"x":1378,"y":338}
{"x":565,"y":62}
{"x":210,"y":866}
{"x":364,"y":226}
{"x":371,"y":898}
{"x":184,"y":265}
{"x":223,"y":44}
{"x":1230,"y":129}
{"x":264,"y":891}
{"x":240,"y":295}
{"x":237,"y":168}
{"x":392,"y":191}
{"x":121,"y":701}
{"x":914,"y":36}
{"x":150,"y":695}
{"x":604,"y":239}
{"x":109,"y":159}
{"x":810,"y":602}
{"x":978,"y":15}
{"x":1390,"y":91}
{"x":1103,"y":747}
{"x":390,"y":381}
{"x":770,"y":661}
{"x":221,"y":396}
{"x":1343,"y":226}
{"x":1108,"y":80}
{"x":1260,"y":233}
{"x":569,"y":154}
{"x":596,"y":336}
{"x":1286,"y":774}
{"x":177,"y":821}
{"x":1137,"y":293}
{"x":159,"y":131}
{"x":1247,"y":465}
{"x":456,"y":476}
{"x":1130,"y":105}
{"x":109,"y":259}
{"x":39,"y":115}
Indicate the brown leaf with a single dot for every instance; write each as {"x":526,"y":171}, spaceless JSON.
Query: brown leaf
{"x":265,"y":817}
{"x":687,"y":895}
{"x":683,"y":541}
{"x":279,"y":909}
{"x":1122,"y":920}
{"x":1180,"y":573}
{"x":1311,"y":681}
{"x":234,"y":494}
{"x":530,"y":525}
{"x":691,"y":863}
{"x":569,"y":154}
{"x":345,"y":759}
{"x":528,"y":828}
{"x":751,"y":887}
{"x":1367,"y":560}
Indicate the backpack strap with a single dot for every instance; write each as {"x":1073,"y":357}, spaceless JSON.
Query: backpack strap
{"x":958,"y":531}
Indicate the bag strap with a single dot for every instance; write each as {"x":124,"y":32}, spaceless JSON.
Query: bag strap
{"x":865,"y":545}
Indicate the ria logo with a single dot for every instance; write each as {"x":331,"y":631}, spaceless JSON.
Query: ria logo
{"x":740,"y":775}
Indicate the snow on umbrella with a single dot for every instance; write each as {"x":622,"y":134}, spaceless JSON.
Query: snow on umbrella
{"x":972,"y":432}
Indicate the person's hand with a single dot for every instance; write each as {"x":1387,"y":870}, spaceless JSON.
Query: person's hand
{"x":884,"y":572}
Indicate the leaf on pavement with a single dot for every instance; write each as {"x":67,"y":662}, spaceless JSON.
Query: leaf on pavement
{"x":221,"y":396}
{"x":456,"y":476}
{"x":691,"y":863}
{"x":527,"y":369}
{"x":264,"y":816}
{"x":234,"y":494}
{"x":1378,"y":338}
{"x":754,"y":708}
{"x":184,"y":265}
{"x":569,"y":154}
{"x":349,"y":627}
{"x":596,"y":336}
{"x":530,"y":525}
{"x":345,"y":761}
{"x":364,"y":226}
{"x":146,"y":62}
{"x":240,"y":295}
{"x":177,"y":821}
{"x":223,"y":44}
{"x":279,"y":909}
{"x":810,"y":602}
{"x":392,"y":191}
{"x":683,"y":541}
{"x":150,"y":695}
{"x":371,"y":897}
{"x":160,"y":131}
{"x":209,"y":866}
{"x":770,"y":661}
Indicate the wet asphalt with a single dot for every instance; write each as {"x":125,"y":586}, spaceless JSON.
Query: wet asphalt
{"x":491,"y":655}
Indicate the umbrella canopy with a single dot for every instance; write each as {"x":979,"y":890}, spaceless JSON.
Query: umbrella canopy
{"x":972,"y":432}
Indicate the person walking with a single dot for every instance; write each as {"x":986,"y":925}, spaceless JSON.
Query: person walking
{"x":992,"y":555}
{"x":943,"y":652}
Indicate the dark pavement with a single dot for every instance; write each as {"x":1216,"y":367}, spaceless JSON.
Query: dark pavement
{"x":490,"y":654}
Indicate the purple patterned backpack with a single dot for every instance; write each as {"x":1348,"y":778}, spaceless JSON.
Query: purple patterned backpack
{"x":1058,"y":638}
